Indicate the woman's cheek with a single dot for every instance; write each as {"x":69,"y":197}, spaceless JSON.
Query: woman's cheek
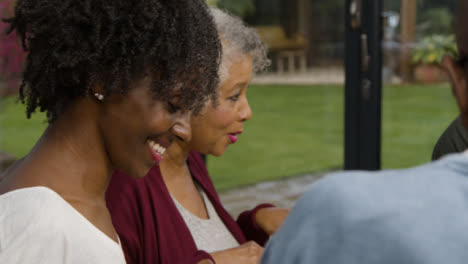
{"x":224,"y":118}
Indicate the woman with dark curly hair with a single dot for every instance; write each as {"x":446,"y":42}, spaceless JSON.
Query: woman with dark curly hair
{"x":118,"y":80}
{"x":174,"y":214}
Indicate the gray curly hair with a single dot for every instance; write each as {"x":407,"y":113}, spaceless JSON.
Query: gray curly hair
{"x":238,"y":39}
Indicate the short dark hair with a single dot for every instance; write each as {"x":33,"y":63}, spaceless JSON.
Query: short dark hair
{"x":75,"y":44}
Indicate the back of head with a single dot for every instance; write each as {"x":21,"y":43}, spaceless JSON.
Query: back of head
{"x":238,"y":39}
{"x":73,"y":45}
{"x":461,"y":29}
{"x":458,"y":71}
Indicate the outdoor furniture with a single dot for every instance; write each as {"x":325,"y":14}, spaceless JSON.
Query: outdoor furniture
{"x":284,"y":48}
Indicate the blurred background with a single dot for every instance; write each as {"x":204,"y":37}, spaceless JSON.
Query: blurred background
{"x":296,"y":133}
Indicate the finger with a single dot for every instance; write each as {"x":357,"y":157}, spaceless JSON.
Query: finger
{"x":255,"y":249}
{"x":255,"y":259}
{"x":252,"y":243}
{"x":205,"y":261}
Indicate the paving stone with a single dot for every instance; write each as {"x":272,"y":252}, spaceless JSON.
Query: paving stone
{"x":328,"y":75}
{"x":282,"y":193}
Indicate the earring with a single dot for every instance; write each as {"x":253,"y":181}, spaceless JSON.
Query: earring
{"x":99,"y":96}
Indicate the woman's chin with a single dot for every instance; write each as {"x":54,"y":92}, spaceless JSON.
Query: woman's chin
{"x":211,"y":153}
{"x":218,"y":153}
{"x":138,"y":172}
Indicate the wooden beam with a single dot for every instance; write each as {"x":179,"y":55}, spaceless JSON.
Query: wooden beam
{"x":408,"y":29}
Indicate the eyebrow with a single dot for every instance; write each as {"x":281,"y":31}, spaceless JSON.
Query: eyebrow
{"x":239,"y":86}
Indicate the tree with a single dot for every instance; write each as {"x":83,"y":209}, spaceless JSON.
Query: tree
{"x":408,"y":23}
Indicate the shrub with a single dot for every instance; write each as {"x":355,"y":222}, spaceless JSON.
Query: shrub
{"x":431,"y":49}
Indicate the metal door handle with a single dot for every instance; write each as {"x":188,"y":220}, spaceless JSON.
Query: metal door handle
{"x":355,"y":11}
{"x":365,"y":57}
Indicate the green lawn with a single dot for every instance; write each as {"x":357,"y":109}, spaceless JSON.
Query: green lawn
{"x":297,"y":130}
{"x":294,"y":130}
{"x":413,"y":119}
{"x":18,"y":134}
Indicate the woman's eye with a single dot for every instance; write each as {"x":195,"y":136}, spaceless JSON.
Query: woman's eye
{"x":234,"y":98}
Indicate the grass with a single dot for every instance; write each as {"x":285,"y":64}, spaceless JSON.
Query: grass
{"x":413,"y":119}
{"x":294,"y":130}
{"x":18,"y":134}
{"x":297,"y":130}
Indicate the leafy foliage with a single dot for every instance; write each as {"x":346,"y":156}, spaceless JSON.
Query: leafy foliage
{"x":433,"y":16}
{"x":11,"y":53}
{"x":430,"y":50}
{"x":436,"y":21}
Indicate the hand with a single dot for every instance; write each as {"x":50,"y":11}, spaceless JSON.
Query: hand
{"x":248,"y":253}
{"x":270,"y":219}
{"x":205,"y":261}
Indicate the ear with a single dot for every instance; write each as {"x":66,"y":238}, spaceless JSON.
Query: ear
{"x":459,"y":85}
{"x":97,"y":87}
{"x":97,"y":91}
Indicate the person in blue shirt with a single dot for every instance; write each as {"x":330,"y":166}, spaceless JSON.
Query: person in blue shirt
{"x":415,"y":215}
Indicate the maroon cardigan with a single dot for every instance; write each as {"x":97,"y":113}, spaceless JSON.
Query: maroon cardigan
{"x":150,"y":227}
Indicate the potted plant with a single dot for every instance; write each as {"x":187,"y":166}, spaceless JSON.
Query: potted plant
{"x":427,"y":56}
{"x":11,"y":53}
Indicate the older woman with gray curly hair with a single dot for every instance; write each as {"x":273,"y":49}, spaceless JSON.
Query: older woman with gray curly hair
{"x":174,"y":215}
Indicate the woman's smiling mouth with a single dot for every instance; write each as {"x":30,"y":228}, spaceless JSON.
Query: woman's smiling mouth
{"x":157,"y":150}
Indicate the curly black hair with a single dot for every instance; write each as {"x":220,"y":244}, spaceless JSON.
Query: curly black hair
{"x":75,"y":44}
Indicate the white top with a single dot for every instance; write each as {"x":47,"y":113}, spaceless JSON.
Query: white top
{"x":210,"y":234}
{"x":38,"y":226}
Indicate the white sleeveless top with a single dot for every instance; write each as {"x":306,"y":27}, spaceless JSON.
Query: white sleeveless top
{"x":38,"y":226}
{"x":210,"y":234}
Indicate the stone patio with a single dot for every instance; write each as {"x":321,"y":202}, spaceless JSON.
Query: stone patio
{"x":282,"y":193}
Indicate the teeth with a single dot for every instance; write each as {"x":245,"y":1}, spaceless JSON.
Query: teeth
{"x":156,"y":147}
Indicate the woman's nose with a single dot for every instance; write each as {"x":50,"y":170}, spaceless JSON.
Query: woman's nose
{"x":181,"y":127}
{"x":245,"y":111}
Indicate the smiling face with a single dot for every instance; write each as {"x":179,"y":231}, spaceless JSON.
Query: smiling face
{"x":218,"y":126}
{"x":137,"y":128}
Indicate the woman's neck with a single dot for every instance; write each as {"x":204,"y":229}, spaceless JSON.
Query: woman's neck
{"x":70,"y":157}
{"x":179,"y":182}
